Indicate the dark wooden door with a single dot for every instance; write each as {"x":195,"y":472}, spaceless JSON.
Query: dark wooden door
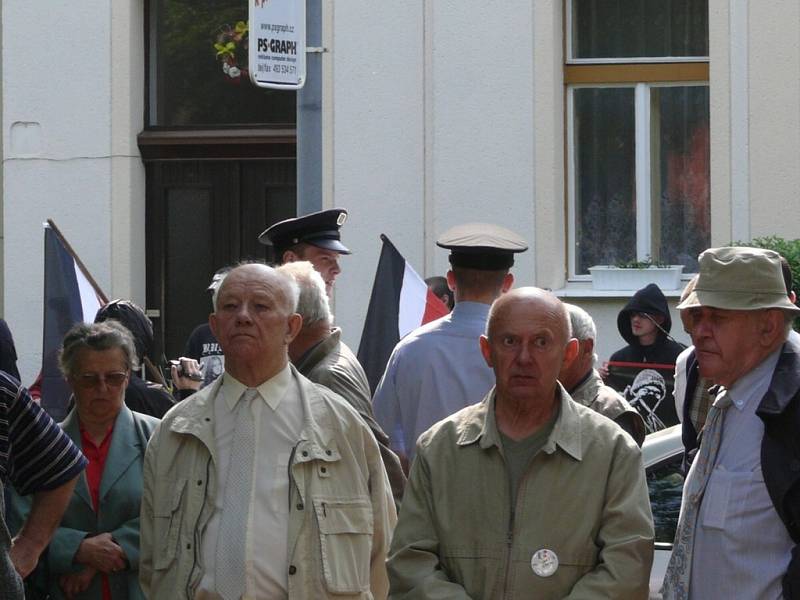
{"x":202,"y":215}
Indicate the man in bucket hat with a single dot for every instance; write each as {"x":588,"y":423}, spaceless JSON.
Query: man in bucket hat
{"x":739,"y":527}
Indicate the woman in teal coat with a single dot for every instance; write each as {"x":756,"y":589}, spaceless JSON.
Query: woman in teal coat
{"x":94,"y":553}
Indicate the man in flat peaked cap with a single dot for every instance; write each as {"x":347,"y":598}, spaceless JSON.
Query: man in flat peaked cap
{"x":314,"y":237}
{"x":438,"y":369}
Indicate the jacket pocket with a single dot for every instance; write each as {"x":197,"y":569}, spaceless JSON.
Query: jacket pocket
{"x":167,"y":523}
{"x":345,"y":532}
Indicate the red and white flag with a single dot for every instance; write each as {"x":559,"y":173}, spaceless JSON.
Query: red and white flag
{"x":400,"y":302}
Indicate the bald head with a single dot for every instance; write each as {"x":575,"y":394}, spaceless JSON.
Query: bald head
{"x":535,"y":299}
{"x":527,"y":340}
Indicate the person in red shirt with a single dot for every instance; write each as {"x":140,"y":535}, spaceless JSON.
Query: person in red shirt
{"x":94,"y":553}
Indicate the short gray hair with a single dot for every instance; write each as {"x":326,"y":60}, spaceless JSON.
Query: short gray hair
{"x":98,"y":337}
{"x":583,"y":327}
{"x":312,"y":304}
{"x":291,"y":291}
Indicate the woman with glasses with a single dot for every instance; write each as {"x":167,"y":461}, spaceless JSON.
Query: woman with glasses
{"x":94,"y":553}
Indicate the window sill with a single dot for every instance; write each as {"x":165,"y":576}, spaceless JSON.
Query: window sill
{"x":584,"y":289}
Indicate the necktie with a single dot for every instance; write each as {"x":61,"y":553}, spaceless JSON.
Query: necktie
{"x":230,"y":560}
{"x":676,"y":579}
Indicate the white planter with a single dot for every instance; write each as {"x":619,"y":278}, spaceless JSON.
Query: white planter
{"x":606,"y":277}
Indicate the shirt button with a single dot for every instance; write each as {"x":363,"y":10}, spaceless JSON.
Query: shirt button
{"x":328,"y":452}
{"x":323,"y":469}
{"x":188,"y":546}
{"x":305,"y":453}
{"x":199,"y":482}
{"x":300,"y":506}
{"x":292,"y":569}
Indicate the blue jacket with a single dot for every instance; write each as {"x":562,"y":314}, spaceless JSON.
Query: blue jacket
{"x":120,"y":498}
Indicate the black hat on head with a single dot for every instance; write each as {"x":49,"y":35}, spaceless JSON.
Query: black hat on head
{"x":319,"y":229}
{"x":481,"y":246}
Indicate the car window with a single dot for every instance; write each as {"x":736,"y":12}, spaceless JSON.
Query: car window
{"x":665,"y":484}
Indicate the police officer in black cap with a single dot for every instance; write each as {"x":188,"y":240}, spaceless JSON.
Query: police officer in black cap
{"x":313,"y":237}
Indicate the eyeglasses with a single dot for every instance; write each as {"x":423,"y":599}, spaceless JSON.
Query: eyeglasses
{"x":93,"y":380}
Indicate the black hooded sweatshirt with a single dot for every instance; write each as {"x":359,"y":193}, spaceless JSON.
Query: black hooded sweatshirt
{"x":664,"y":350}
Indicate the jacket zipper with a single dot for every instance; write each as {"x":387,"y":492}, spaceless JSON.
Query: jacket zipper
{"x":513,"y":498}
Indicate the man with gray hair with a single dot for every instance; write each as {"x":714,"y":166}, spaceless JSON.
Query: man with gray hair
{"x":739,"y":526}
{"x":319,"y":353}
{"x":584,"y":383}
{"x":263,"y":484}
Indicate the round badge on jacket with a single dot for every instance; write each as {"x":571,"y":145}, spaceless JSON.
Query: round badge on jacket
{"x":544,"y":562}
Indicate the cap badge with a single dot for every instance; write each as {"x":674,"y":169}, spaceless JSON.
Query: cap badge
{"x":341,"y":219}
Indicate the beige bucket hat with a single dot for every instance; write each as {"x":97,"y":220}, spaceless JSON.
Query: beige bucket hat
{"x":738,"y":278}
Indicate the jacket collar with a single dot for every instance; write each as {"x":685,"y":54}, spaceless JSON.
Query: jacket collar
{"x":317,"y":353}
{"x":785,"y":382}
{"x":195,"y":416}
{"x":125,"y":448}
{"x":479,"y":425}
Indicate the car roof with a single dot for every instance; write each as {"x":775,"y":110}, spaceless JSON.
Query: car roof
{"x":661,"y":445}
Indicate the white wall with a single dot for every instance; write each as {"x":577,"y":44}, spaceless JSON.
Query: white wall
{"x":432,"y":126}
{"x":68,"y":151}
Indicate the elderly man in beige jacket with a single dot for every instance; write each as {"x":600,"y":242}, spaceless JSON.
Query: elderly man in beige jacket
{"x":526,"y":494}
{"x":263,"y":485}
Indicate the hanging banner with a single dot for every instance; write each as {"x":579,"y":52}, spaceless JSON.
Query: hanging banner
{"x":277,"y":45}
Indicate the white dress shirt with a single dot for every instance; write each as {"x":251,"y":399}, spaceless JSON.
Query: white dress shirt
{"x":741,"y":546}
{"x":278,"y":417}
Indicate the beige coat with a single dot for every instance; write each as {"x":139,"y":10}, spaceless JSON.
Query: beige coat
{"x":341,"y":512}
{"x":583,"y":497}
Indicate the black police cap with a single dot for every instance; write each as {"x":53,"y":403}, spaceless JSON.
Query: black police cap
{"x":319,"y":229}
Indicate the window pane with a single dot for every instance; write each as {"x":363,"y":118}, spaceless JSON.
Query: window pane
{"x":680,"y":181}
{"x":605,"y":199}
{"x":639,"y":28}
{"x":188,"y":86}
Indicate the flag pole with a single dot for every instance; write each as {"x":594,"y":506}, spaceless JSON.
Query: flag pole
{"x":97,"y":290}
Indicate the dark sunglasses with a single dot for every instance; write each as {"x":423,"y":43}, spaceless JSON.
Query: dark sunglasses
{"x":93,"y":380}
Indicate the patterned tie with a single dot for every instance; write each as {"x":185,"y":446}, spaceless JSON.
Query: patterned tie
{"x":676,"y":579}
{"x":230,"y":564}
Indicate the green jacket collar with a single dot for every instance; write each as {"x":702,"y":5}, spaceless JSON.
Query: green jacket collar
{"x":315,"y":355}
{"x":479,"y":425}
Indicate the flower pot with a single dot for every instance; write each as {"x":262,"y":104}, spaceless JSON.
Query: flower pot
{"x":606,"y":277}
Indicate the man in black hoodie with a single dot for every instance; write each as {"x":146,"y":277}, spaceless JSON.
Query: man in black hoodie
{"x":643,"y":370}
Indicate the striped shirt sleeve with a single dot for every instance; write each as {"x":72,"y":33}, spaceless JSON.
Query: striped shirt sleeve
{"x":35,"y":454}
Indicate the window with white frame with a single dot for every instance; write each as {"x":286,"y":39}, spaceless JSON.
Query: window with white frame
{"x":637,"y":107}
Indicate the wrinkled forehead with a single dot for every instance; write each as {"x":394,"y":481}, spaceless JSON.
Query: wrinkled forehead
{"x":529,"y":316}
{"x":252,"y":280}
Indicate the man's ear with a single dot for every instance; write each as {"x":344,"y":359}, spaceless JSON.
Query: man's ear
{"x":451,"y":280}
{"x":486,"y":351}
{"x":770,"y":326}
{"x":294,"y":323}
{"x":571,"y":351}
{"x":289,"y":256}
{"x":508,"y":282}
{"x":212,"y":324}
